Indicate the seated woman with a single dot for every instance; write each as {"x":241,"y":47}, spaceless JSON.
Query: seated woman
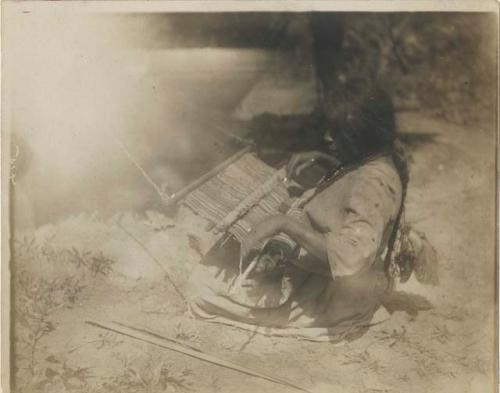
{"x":331,"y":287}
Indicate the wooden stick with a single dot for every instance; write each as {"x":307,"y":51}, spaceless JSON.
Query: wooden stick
{"x":153,"y":258}
{"x":154,"y":339}
{"x":173,"y":340}
{"x":162,"y":195}
{"x":174,"y":198}
{"x":238,"y":283}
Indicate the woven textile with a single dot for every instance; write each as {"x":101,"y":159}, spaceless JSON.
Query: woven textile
{"x":247,"y":190}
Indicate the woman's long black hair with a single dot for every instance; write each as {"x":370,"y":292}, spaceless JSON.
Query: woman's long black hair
{"x":360,"y":122}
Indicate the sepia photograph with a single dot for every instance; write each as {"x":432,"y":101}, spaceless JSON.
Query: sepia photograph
{"x":217,"y":199}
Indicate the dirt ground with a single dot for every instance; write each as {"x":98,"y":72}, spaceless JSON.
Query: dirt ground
{"x":89,"y":268}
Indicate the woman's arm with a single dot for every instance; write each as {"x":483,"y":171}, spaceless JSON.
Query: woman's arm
{"x":305,"y":236}
{"x":316,"y":261}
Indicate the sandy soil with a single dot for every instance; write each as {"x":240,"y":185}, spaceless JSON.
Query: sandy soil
{"x":447,"y":347}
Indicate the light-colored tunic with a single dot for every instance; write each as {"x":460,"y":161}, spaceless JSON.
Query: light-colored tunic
{"x":356,"y":213}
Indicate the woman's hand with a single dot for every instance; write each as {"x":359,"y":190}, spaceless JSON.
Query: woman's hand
{"x":262,"y":231}
{"x":303,"y":160}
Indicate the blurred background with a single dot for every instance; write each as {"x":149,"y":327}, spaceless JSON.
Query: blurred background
{"x":174,"y":89}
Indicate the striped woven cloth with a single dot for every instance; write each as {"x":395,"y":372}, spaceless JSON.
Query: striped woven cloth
{"x":241,"y":195}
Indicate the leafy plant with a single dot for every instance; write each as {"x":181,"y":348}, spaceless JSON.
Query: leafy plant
{"x":101,"y":265}
{"x":395,"y":337}
{"x":151,"y":376}
{"x":365,"y":361}
{"x":35,"y":302}
{"x":442,"y":334}
{"x":36,"y":299}
{"x":105,"y":340}
{"x":57,"y":376}
{"x":37,"y":294}
{"x":95,"y":263}
{"x":79,"y":258}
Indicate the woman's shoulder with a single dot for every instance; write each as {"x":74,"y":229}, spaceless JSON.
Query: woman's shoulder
{"x":374,"y":179}
{"x":381,"y":168}
{"x":377,"y":177}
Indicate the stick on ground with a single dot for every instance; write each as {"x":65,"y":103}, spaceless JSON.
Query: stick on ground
{"x":155,"y":339}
